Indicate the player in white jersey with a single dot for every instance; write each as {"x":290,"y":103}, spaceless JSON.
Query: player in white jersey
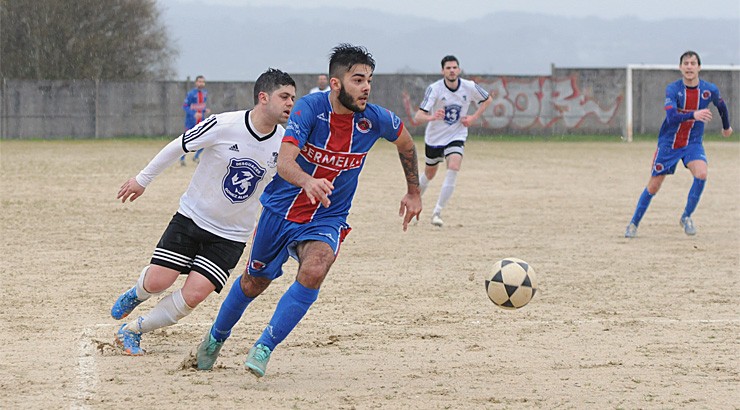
{"x":322,"y":84}
{"x":445,"y":109}
{"x":217,"y":213}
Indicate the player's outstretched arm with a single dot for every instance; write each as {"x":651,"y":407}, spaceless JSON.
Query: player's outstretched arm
{"x":289,"y":170}
{"x":411,"y":202}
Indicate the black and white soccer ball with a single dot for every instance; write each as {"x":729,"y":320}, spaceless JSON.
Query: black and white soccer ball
{"x":512,"y":284}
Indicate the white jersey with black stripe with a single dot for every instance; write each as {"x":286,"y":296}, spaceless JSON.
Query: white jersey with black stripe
{"x":235,"y":166}
{"x":455,"y":104}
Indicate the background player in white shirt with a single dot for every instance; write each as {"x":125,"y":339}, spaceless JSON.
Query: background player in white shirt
{"x":217,"y":213}
{"x":445,"y":108}
{"x":322,"y":84}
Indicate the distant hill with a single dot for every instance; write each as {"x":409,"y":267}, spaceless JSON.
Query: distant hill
{"x":238,"y":43}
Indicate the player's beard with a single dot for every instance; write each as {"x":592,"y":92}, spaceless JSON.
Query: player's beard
{"x":346,"y":100}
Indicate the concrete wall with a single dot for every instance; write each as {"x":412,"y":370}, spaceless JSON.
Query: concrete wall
{"x":570,"y":101}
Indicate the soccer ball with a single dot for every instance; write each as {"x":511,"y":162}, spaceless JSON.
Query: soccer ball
{"x":513,"y":283}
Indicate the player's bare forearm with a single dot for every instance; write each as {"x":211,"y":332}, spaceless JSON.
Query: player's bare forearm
{"x":410,"y":167}
{"x":411,"y":202}
{"x":409,"y":161}
{"x":482,"y":107}
{"x":423,"y":116}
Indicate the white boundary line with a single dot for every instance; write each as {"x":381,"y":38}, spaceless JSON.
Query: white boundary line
{"x":87,"y":373}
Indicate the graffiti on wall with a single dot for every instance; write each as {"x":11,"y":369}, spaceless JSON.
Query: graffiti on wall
{"x":535,"y":103}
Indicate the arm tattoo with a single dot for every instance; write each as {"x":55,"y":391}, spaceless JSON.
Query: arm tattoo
{"x":410,"y":166}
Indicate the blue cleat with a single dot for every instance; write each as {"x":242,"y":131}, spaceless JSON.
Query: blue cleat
{"x":257,"y":359}
{"x":125,"y":304}
{"x":129,"y":341}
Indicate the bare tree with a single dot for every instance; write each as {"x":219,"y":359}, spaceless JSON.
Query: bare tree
{"x":83,"y":39}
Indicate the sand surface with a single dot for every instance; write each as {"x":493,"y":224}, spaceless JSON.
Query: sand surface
{"x":403,"y":320}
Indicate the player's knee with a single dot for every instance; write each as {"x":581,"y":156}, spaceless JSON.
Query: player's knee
{"x":253,"y":286}
{"x":701,"y":174}
{"x":312,"y":272}
{"x":157,"y":278}
{"x":194,"y":295}
{"x":310,"y":278}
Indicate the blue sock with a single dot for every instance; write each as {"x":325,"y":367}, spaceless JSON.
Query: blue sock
{"x":289,"y":311}
{"x":642,"y":206}
{"x":231,"y":311}
{"x":694,"y":195}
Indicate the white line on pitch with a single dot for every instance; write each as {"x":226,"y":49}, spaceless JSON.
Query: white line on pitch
{"x":87,"y":374}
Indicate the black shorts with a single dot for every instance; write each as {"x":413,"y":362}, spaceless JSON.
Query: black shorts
{"x":435,"y":154}
{"x":186,"y":247}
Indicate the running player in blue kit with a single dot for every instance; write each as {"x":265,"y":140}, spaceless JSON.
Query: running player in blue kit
{"x":681,"y":138}
{"x":306,"y":205}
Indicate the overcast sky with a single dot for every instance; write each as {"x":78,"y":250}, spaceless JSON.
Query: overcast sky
{"x":462,"y":10}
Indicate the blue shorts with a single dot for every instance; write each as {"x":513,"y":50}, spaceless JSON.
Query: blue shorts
{"x":666,"y":158}
{"x":276,"y":238}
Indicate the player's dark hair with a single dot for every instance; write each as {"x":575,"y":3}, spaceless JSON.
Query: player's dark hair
{"x":448,"y":58}
{"x":198,"y":77}
{"x":344,"y":56}
{"x":690,"y":54}
{"x":269,"y":81}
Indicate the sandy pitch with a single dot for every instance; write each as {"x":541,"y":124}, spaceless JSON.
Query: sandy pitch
{"x":403,"y":320}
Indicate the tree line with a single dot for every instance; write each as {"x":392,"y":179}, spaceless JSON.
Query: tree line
{"x":83,"y":39}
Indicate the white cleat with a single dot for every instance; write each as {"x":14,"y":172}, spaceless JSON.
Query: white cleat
{"x":437,"y":221}
{"x":631,"y":231}
{"x":688,"y":226}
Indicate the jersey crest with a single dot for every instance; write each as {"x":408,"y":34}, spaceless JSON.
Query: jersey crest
{"x":452,"y":113}
{"x":363,"y":125}
{"x":242,"y":179}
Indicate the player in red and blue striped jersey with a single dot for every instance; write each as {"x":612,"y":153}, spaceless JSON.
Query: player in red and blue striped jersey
{"x":306,"y":205}
{"x":195,"y":110}
{"x":681,"y":138}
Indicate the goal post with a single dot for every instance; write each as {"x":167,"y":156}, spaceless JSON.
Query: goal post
{"x":628,"y":97}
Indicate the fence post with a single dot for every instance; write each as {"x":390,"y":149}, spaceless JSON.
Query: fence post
{"x":3,"y":111}
{"x":97,"y":85}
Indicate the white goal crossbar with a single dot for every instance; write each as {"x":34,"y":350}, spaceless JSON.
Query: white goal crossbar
{"x":628,"y":91}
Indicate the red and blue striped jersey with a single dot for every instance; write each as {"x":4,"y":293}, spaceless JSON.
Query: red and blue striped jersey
{"x":333,"y":146}
{"x":195,"y":101}
{"x":680,"y":130}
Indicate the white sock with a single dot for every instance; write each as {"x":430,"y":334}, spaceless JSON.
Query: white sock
{"x":423,"y":183}
{"x":167,"y":312}
{"x":448,"y":187}
{"x":141,"y":293}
